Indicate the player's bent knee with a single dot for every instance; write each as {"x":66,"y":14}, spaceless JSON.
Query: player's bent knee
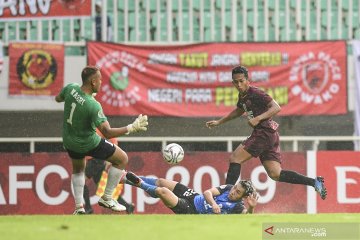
{"x":161,"y":191}
{"x":234,"y":159}
{"x":274,"y":175}
{"x":120,"y":161}
{"x":125,"y":160}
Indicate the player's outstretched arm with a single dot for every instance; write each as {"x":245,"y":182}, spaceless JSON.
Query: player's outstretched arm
{"x":237,"y":112}
{"x":140,"y":124}
{"x":110,"y":132}
{"x":209,"y":197}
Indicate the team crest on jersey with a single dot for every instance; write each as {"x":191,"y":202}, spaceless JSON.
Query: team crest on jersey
{"x":249,"y":113}
{"x":315,"y":76}
{"x":101,"y":114}
{"x":36,"y":69}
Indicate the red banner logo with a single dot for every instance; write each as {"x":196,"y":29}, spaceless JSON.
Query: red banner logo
{"x":317,"y":78}
{"x":36,"y":68}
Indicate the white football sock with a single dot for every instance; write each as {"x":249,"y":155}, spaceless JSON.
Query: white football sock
{"x":78,"y":182}
{"x":113,"y":180}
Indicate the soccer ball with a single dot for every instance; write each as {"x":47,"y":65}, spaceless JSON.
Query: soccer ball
{"x":173,"y":153}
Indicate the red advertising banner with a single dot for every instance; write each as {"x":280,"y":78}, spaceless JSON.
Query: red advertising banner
{"x":341,"y":171}
{"x":40,"y":183}
{"x":25,"y":10}
{"x":36,"y":69}
{"x":195,"y":80}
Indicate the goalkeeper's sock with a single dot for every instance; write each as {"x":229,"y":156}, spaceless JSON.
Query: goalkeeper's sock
{"x":149,"y":180}
{"x":233,"y":173}
{"x":295,"y":178}
{"x":150,"y":189}
{"x":78,"y":183}
{"x":113,"y":180}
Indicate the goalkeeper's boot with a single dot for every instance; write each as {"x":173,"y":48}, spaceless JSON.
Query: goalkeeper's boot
{"x":320,"y":187}
{"x":132,"y":179}
{"x":111,"y":204}
{"x":79,"y":211}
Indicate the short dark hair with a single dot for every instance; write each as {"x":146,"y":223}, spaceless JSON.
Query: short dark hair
{"x":248,"y":186}
{"x":240,"y":69}
{"x":88,"y":72}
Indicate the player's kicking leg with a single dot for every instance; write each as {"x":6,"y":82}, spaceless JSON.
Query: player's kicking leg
{"x":275,"y":172}
{"x":119,"y":160}
{"x":106,"y":200}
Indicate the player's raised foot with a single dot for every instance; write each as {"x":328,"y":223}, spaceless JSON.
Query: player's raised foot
{"x":79,"y":211}
{"x":111,"y":204}
{"x":320,"y":187}
{"x":133,"y":178}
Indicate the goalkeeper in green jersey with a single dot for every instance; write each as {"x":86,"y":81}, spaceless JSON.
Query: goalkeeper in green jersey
{"x":82,"y":115}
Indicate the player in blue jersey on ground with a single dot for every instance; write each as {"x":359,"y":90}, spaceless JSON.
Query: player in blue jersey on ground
{"x":225,"y":199}
{"x":264,"y":142}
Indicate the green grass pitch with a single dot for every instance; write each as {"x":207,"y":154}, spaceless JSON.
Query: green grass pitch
{"x":151,"y":227}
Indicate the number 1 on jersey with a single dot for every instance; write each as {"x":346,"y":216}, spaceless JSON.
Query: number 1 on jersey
{"x":73,"y":106}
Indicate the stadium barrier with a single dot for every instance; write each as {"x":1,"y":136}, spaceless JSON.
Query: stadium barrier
{"x":39,"y":183}
{"x":145,"y":21}
{"x":294,"y":140}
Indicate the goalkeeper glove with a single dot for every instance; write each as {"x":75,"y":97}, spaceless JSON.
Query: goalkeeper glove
{"x":138,"y":125}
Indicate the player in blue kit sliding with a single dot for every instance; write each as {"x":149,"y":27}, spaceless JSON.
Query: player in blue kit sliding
{"x":225,"y":199}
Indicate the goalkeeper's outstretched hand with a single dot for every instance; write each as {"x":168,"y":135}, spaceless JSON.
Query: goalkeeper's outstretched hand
{"x":140,"y":124}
